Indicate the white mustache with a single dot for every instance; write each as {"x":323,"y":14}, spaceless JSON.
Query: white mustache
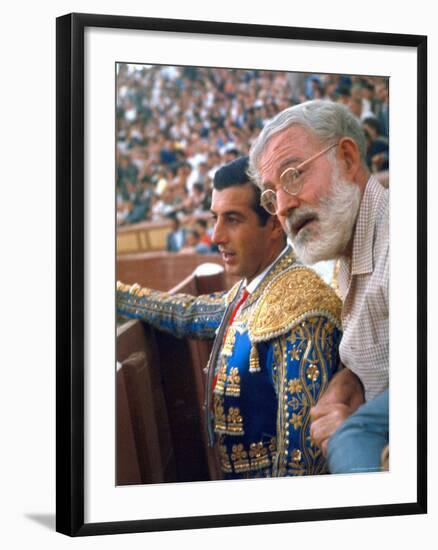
{"x":298,"y":216}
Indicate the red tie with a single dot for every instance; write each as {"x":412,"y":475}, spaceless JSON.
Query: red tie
{"x":244,"y":296}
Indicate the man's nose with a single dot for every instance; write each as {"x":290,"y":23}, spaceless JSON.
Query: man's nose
{"x":286,"y":202}
{"x":219,"y":234}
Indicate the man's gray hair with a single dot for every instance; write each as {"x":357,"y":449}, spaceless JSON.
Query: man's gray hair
{"x":327,"y":120}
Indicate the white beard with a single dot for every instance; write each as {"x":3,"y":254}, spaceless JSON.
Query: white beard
{"x":328,"y":237}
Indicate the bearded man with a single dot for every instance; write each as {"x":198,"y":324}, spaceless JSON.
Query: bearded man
{"x":309,"y":162}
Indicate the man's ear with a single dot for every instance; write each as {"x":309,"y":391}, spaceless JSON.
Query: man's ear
{"x":349,"y":160}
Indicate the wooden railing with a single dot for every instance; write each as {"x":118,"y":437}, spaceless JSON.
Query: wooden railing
{"x":143,"y":237}
{"x":161,"y":431}
{"x":164,"y":270}
{"x":144,"y":446}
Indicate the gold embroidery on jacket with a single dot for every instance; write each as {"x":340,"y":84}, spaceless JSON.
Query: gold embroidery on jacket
{"x":259,"y":457}
{"x":221,"y":378}
{"x":239,"y":458}
{"x":220,"y":424}
{"x":230,"y":340}
{"x":312,"y":372}
{"x":233,"y":383}
{"x":231,"y":423}
{"x":254,"y":364}
{"x":234,"y":422}
{"x":296,"y":421}
{"x":225,"y":459}
{"x":295,"y":386}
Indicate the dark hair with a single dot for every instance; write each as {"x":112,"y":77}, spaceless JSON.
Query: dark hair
{"x":174,"y":219}
{"x":373,"y":123}
{"x":198,"y":186}
{"x":343,"y":90}
{"x":234,"y":174}
{"x":203,"y":223}
{"x":194,"y":234}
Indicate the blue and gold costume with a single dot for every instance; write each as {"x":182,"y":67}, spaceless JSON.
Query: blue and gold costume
{"x":266,"y":369}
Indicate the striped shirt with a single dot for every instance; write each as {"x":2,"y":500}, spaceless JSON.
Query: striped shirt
{"x":363,"y":284}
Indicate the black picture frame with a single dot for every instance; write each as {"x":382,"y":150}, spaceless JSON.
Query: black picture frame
{"x":70,"y":272}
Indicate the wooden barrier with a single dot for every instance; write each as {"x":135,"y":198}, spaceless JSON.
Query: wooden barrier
{"x":164,"y":270}
{"x":199,"y":353}
{"x":144,"y":236}
{"x":144,"y":446}
{"x":161,"y":431}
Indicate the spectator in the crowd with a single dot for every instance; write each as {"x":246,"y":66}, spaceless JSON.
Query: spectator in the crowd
{"x":198,"y":175}
{"x":355,"y":106}
{"x":164,"y":178}
{"x":165,"y":205}
{"x":205,"y":243}
{"x":377,"y":154}
{"x":343,"y":95}
{"x":330,"y":89}
{"x":123,"y":209}
{"x":177,"y":237}
{"x":126,"y":174}
{"x":138,"y":212}
{"x":191,"y":242}
{"x":313,"y":86}
{"x":382,"y":107}
{"x":367,"y":98}
{"x":167,"y":153}
{"x":194,"y":203}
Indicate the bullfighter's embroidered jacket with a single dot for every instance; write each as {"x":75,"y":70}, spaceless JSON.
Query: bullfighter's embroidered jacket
{"x":267,"y":368}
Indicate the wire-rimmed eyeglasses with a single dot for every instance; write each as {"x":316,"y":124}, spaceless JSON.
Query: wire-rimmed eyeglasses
{"x":290,"y":182}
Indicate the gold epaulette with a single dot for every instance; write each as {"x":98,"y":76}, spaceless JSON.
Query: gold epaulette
{"x":292,"y":297}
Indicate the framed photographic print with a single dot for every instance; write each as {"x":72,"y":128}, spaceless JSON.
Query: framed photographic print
{"x":148,"y":111}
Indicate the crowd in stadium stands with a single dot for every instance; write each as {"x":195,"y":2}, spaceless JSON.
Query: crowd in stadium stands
{"x":177,"y":125}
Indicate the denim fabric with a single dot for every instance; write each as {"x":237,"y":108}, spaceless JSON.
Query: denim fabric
{"x":357,"y":444}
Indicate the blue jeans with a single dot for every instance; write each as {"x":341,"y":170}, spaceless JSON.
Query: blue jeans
{"x":357,"y":444}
